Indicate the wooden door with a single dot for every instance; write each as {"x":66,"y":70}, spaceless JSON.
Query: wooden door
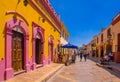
{"x":38,"y":56}
{"x":17,"y":51}
{"x":102,"y":52}
{"x":118,"y":49}
{"x":51,"y":51}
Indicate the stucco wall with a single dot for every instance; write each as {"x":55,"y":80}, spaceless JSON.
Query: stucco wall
{"x":27,"y":14}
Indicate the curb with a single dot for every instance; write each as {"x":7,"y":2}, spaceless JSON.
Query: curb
{"x":109,"y":67}
{"x":50,"y":74}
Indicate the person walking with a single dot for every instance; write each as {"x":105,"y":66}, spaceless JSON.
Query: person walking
{"x":59,"y":57}
{"x":81,"y":56}
{"x":85,"y":57}
{"x":73,"y":56}
{"x":111,"y":56}
{"x":78,"y":53}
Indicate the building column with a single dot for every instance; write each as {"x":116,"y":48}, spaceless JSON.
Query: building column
{"x":8,"y":63}
{"x":26,"y":42}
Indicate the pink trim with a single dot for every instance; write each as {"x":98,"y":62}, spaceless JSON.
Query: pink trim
{"x":8,"y":63}
{"x":30,"y":63}
{"x":16,"y":13}
{"x":58,"y":50}
{"x":39,"y":10}
{"x":46,"y":61}
{"x":51,"y":11}
{"x":50,"y":42}
{"x":2,"y":69}
{"x":36,"y":29}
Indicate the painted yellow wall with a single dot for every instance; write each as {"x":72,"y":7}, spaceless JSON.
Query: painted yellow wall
{"x":31,"y":15}
{"x":115,"y":31}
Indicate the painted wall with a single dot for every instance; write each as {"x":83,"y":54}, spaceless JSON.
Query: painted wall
{"x":115,"y":31}
{"x":28,"y":15}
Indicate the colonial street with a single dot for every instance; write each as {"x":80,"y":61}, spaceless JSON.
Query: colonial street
{"x":85,"y":72}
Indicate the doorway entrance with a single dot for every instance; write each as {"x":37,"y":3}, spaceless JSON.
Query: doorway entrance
{"x":51,"y":52}
{"x":38,"y":54}
{"x":102,"y":52}
{"x":118,"y":48}
{"x":17,"y":51}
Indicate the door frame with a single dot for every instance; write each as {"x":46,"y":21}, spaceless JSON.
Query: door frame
{"x":50,"y":43}
{"x":22,"y":46}
{"x":8,"y":46}
{"x":118,"y":43}
{"x":40,"y":30}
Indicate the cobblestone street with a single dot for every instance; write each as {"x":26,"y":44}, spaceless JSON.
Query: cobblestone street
{"x":85,"y":72}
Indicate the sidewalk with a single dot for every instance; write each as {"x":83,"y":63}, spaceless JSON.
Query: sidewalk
{"x":112,"y":65}
{"x":39,"y":75}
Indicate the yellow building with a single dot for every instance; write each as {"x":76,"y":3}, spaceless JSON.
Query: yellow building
{"x":64,"y":34}
{"x":115,"y":37}
{"x":30,"y":35}
{"x":64,"y":40}
{"x":94,"y":47}
{"x":109,"y":39}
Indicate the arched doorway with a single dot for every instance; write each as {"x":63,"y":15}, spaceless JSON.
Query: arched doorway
{"x":118,"y":46}
{"x":108,"y":48}
{"x":38,"y":46}
{"x":51,"y":49}
{"x":38,"y":50}
{"x":17,"y":39}
{"x":101,"y":52}
{"x":17,"y":49}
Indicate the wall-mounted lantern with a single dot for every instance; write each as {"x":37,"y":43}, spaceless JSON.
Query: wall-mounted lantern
{"x":43,"y":20}
{"x":25,"y":2}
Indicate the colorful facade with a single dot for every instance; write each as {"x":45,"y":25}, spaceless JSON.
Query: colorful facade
{"x":64,"y":40}
{"x":30,"y":35}
{"x":64,"y":34}
{"x":109,"y":39}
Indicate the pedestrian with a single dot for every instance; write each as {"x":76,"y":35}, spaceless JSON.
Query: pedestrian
{"x":59,"y":57}
{"x":79,"y":53}
{"x":85,"y":57}
{"x":111,"y":56}
{"x":81,"y":56}
{"x":73,"y":57}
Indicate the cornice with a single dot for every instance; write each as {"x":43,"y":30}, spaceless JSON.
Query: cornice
{"x":39,"y":10}
{"x":116,"y":19}
{"x":51,"y":11}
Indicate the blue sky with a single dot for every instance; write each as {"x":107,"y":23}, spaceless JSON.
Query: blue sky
{"x":85,"y":18}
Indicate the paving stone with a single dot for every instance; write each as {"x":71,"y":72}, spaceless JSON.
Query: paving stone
{"x":84,"y":72}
